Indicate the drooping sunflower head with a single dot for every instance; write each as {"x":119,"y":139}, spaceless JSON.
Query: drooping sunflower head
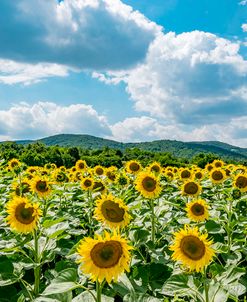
{"x":99,"y":170}
{"x":240,"y":182}
{"x":40,"y":185}
{"x":191,"y":188}
{"x":23,"y":215}
{"x":185,"y":174}
{"x":133,"y":167}
{"x":148,"y":185}
{"x":81,"y":165}
{"x":112,"y":211}
{"x":87,"y":183}
{"x":192,"y":249}
{"x":197,"y":210}
{"x":155,"y":168}
{"x":217,"y":175}
{"x":105,"y":257}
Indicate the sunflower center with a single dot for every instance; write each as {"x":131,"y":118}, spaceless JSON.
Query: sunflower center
{"x":134,"y":167}
{"x":98,"y":186}
{"x":197,"y":209}
{"x":112,"y":211}
{"x":24,"y":215}
{"x":155,"y":169}
{"x":99,"y":171}
{"x":41,"y":186}
{"x":191,"y":188}
{"x":217,"y":175}
{"x":241,"y":182}
{"x":192,"y":247}
{"x":81,"y":166}
{"x":198,"y":175}
{"x":87,"y":183}
{"x":106,"y":255}
{"x":209,"y":168}
{"x":185,"y":174}
{"x":149,"y":184}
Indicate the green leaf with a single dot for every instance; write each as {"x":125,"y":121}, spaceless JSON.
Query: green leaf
{"x":213,"y":227}
{"x":57,"y":288}
{"x":48,"y":223}
{"x":140,"y":298}
{"x":87,"y":297}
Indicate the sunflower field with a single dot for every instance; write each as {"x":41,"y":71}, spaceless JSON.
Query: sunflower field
{"x":144,"y":234}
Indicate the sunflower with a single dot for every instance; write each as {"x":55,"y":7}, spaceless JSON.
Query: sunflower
{"x":240,"y":182}
{"x":32,"y":169}
{"x":111,"y":173}
{"x":60,"y":176}
{"x":209,"y":167}
{"x":154,"y":167}
{"x":198,"y":174}
{"x":23,"y":215}
{"x":192,"y":249}
{"x":191,"y":188}
{"x":218,"y":163}
{"x":40,"y":185}
{"x":99,"y":170}
{"x":104,"y":257}
{"x":133,"y":167}
{"x":185,"y":174}
{"x":217,"y":175}
{"x":122,"y":179}
{"x":21,"y":188}
{"x":169,"y":174}
{"x":99,"y":186}
{"x":14,"y":164}
{"x":148,"y":185}
{"x":112,"y":211}
{"x":87,"y":183}
{"x":197,"y":210}
{"x":81,"y":165}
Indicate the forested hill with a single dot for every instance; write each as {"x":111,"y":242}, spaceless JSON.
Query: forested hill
{"x":176,"y":148}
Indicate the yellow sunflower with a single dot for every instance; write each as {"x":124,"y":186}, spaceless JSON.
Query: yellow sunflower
{"x":197,"y":210}
{"x":198,"y":174}
{"x":21,"y":188}
{"x":154,"y":167}
{"x":218,"y":163}
{"x":217,"y":175}
{"x":99,"y":186}
{"x":87,"y":183}
{"x":60,"y":176}
{"x":240,"y":182}
{"x":81,"y":165}
{"x":14,"y":164}
{"x":191,"y":188}
{"x":133,"y":167}
{"x":41,"y":186}
{"x":111,"y":173}
{"x":23,"y":215}
{"x":192,"y":249}
{"x":32,"y":169}
{"x":122,"y":179}
{"x":170,"y":175}
{"x":105,"y":257}
{"x":99,"y":170}
{"x":185,"y":174}
{"x":112,"y":211}
{"x":148,"y":185}
{"x":209,"y":167}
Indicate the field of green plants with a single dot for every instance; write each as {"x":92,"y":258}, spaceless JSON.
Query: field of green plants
{"x":144,"y":234}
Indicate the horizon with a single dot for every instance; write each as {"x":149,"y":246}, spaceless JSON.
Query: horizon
{"x":125,"y":70}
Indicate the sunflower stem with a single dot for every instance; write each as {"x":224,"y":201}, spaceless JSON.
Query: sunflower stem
{"x":206,"y":286}
{"x":37,"y":264}
{"x":229,"y":231}
{"x":98,"y":291}
{"x":152,"y":220}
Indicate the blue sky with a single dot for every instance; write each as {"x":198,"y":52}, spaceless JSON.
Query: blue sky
{"x":126,"y":70}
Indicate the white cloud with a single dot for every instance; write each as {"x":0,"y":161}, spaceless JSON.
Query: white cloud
{"x":91,"y":34}
{"x":24,"y":121}
{"x":244,"y":2}
{"x":244,"y":27}
{"x":12,"y":72}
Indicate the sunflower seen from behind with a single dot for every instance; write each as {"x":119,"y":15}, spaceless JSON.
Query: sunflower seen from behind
{"x":148,"y":185}
{"x":192,"y":249}
{"x":112,"y":211}
{"x":23,"y":215}
{"x":197,"y":210}
{"x":191,"y":188}
{"x":105,"y":257}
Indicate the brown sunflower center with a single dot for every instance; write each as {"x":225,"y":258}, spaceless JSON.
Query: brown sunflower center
{"x":87,"y":183}
{"x":192,"y":247}
{"x":149,"y":184}
{"x":197,"y":209}
{"x":106,"y":255}
{"x":185,"y":174}
{"x":217,"y":175}
{"x":42,"y":186}
{"x":209,"y":168}
{"x":155,"y":169}
{"x":218,"y":164}
{"x":99,"y":171}
{"x":191,"y":188}
{"x":24,"y":215}
{"x":134,"y":167}
{"x":198,"y":175}
{"x":81,"y":166}
{"x":98,"y":186}
{"x":241,"y":182}
{"x":112,"y":212}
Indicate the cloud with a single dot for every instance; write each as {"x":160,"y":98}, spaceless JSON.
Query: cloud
{"x":244,"y":27}
{"x":12,"y":72}
{"x":23,"y":121}
{"x":92,"y":34}
{"x":244,"y":2}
